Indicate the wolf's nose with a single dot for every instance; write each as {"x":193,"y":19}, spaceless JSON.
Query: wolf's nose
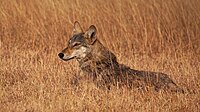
{"x":61,"y":55}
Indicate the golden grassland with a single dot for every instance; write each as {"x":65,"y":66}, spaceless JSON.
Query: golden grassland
{"x":152,"y":35}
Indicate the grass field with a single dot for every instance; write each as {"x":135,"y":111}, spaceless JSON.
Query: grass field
{"x":152,"y":35}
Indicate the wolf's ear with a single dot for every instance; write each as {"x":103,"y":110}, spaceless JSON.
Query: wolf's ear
{"x":91,"y":34}
{"x":77,"y":28}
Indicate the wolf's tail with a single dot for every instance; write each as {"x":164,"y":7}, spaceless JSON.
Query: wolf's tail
{"x":179,"y":89}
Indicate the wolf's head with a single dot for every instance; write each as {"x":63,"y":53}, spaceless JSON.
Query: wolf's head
{"x":79,"y":45}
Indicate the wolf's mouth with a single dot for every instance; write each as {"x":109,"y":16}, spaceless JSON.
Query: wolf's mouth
{"x":68,"y":58}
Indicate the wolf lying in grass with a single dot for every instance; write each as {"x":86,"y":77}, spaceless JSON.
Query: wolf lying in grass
{"x":100,"y":65}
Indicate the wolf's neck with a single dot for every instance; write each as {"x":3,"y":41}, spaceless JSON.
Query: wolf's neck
{"x":99,"y":58}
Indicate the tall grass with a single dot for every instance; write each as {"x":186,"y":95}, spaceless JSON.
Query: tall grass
{"x":154,"y":35}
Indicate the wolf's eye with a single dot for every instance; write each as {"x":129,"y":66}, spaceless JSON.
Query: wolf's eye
{"x":76,"y":44}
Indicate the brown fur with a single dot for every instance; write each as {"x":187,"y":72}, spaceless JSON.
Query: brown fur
{"x":100,"y":65}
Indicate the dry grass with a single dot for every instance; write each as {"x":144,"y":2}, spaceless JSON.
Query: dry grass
{"x":155,"y":35}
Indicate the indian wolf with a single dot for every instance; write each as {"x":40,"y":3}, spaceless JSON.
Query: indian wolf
{"x":100,"y":65}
